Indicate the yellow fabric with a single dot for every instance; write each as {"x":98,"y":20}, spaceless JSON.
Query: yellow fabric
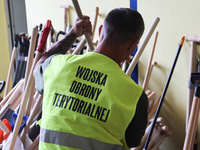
{"x":102,"y":86}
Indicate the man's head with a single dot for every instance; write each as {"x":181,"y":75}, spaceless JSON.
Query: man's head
{"x":122,"y":25}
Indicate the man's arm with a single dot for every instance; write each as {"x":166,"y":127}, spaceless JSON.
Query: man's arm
{"x":81,"y":26}
{"x":136,"y":128}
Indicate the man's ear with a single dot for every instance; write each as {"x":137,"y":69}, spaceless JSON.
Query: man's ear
{"x":100,"y":29}
{"x":132,"y":45}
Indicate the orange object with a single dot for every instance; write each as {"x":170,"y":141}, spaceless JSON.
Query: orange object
{"x":1,"y":136}
{"x":8,"y":125}
{"x":182,"y":40}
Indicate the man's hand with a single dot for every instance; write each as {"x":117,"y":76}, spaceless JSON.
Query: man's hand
{"x":82,"y":26}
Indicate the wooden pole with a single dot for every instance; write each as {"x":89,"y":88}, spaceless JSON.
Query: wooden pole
{"x":191,"y":69}
{"x":83,"y":41}
{"x":66,"y":16}
{"x":31,"y":117}
{"x":11,"y":66}
{"x":5,"y":99}
{"x":147,"y":76}
{"x":154,"y":107}
{"x":30,"y":55}
{"x":151,"y":96}
{"x":80,"y":16}
{"x":141,"y":48}
{"x":193,"y":120}
{"x":80,"y":46}
{"x":94,"y":26}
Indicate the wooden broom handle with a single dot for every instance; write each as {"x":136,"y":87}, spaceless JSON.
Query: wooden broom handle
{"x":31,"y":117}
{"x":94,"y":25}
{"x":83,"y":41}
{"x":154,"y":107}
{"x":193,"y":120}
{"x":94,"y":22}
{"x":80,"y":16}
{"x":80,"y":46}
{"x":148,"y":75}
{"x":192,"y":68}
{"x":145,"y":83}
{"x":5,"y":99}
{"x":10,"y":70}
{"x":66,"y":17}
{"x":143,"y":45}
{"x":31,"y":54}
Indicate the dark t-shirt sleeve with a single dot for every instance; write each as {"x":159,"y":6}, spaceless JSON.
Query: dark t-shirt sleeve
{"x":136,"y":128}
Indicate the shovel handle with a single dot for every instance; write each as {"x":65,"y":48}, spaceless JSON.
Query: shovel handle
{"x":80,"y":16}
{"x":142,"y":47}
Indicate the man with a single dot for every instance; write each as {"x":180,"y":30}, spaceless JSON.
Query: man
{"x":89,"y":103}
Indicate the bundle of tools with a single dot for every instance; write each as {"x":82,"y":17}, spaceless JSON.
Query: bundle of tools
{"x":192,"y":112}
{"x":19,"y":106}
{"x":23,"y":39}
{"x":79,"y":47}
{"x":159,"y":129}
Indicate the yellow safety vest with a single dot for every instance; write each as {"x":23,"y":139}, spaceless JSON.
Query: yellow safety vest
{"x":88,"y":103}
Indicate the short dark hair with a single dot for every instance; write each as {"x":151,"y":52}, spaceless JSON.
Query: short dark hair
{"x":123,"y":25}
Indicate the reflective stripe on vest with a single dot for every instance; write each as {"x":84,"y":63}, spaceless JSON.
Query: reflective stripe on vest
{"x":71,"y":140}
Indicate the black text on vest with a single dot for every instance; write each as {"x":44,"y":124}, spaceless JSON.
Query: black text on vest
{"x":85,"y":90}
{"x":91,"y":75}
{"x":81,"y":106}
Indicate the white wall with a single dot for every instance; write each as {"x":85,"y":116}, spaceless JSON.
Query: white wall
{"x":177,"y":18}
{"x":40,"y":11}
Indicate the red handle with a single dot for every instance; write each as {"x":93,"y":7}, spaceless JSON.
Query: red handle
{"x":44,"y":36}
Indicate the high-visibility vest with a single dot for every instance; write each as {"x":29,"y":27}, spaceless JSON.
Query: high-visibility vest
{"x":88,"y":103}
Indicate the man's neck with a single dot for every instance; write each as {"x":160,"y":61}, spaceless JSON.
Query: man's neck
{"x":110,"y":52}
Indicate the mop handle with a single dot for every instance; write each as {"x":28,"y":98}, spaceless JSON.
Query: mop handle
{"x":163,"y":94}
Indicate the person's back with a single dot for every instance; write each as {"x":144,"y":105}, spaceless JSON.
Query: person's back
{"x":89,"y":102}
{"x":88,"y":97}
